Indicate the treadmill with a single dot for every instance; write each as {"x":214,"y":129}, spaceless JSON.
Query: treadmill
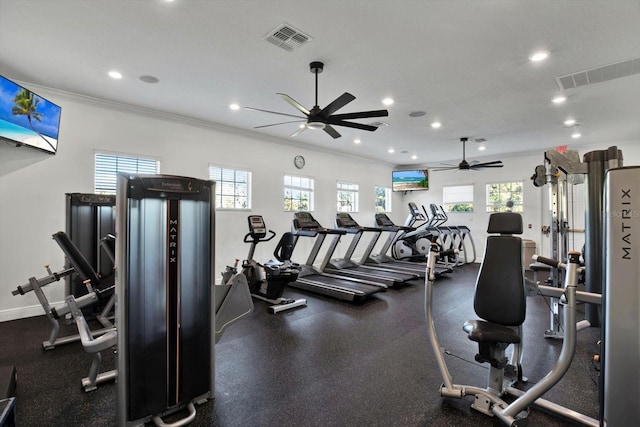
{"x":313,"y":279}
{"x":384,"y":223}
{"x":346,"y":266}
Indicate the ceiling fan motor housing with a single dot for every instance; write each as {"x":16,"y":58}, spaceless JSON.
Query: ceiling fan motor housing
{"x":316,"y":67}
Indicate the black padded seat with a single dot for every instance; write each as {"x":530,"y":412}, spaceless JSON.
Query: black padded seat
{"x":102,"y":286}
{"x":481,"y":331}
{"x":76,"y":259}
{"x":499,"y":300}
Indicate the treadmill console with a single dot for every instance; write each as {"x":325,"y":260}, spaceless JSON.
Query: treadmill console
{"x":344,"y":220}
{"x":305,"y":221}
{"x":415,"y":213}
{"x":257,"y":227}
{"x":382,"y":220}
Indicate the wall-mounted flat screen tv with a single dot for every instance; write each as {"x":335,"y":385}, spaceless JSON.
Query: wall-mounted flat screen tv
{"x":410,"y":180}
{"x":28,"y":119}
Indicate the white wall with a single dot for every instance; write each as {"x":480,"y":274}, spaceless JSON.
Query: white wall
{"x":33,"y":184}
{"x":536,"y":206}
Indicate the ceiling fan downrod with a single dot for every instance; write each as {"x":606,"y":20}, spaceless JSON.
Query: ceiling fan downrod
{"x":316,"y":68}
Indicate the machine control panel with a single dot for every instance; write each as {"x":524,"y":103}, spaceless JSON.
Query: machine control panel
{"x":257,"y":227}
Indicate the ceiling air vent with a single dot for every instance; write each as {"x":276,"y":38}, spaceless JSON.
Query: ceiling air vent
{"x":287,"y":37}
{"x":600,"y":74}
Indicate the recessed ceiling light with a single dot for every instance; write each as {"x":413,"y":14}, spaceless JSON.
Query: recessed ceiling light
{"x":356,"y":141}
{"x":387,"y":101}
{"x":115,"y":75}
{"x":569,"y":122}
{"x":391,"y":150}
{"x":414,"y":157}
{"x":559,"y":99}
{"x":302,"y":126}
{"x":149,"y":79}
{"x":234,"y":107}
{"x":482,"y":148}
{"x":539,"y":56}
{"x":576,"y":135}
{"x":436,"y":125}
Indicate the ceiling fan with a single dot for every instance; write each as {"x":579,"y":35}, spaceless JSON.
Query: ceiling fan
{"x":465,"y":165}
{"x":324,"y":119}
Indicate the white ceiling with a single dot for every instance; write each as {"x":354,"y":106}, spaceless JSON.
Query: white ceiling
{"x":464,"y":62}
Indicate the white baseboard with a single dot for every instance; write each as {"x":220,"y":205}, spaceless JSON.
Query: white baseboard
{"x":23,"y":312}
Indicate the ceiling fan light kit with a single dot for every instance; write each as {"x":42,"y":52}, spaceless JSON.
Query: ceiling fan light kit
{"x":324,"y":118}
{"x":316,"y":125}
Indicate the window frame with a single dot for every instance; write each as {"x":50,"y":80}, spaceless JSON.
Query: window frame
{"x":448,"y":204}
{"x":388,"y":197}
{"x":310,"y":190}
{"x":220,"y":185}
{"x":347,"y":188}
{"x":502,"y":207}
{"x":100,"y":169}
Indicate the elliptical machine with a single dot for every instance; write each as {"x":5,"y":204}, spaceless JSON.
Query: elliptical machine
{"x":267,"y":281}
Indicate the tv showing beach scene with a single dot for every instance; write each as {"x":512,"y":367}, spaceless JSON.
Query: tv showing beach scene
{"x":410,"y":180}
{"x":28,"y":119}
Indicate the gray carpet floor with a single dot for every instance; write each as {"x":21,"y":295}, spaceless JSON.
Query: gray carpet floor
{"x":332,"y":363}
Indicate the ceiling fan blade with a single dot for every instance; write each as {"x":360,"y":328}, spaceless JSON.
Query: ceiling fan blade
{"x":276,"y":124}
{"x":447,"y":168}
{"x":293,"y":102}
{"x":337,"y":104}
{"x":331,"y":121}
{"x":331,"y":131}
{"x":487,"y":166}
{"x":495,"y":163}
{"x":273,"y":112}
{"x":484,"y":165}
{"x":298,"y":131}
{"x":361,"y":115}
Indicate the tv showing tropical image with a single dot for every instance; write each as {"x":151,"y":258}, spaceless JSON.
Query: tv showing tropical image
{"x":28,"y":119}
{"x":410,"y":180}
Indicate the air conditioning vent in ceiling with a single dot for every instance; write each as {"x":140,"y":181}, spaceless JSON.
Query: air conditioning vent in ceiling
{"x":599,"y":74}
{"x":287,"y":37}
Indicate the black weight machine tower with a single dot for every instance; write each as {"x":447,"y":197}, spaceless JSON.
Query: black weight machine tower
{"x":89,"y":218}
{"x":169,"y":311}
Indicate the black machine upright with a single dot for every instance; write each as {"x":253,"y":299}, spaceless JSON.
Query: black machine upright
{"x":169,"y":309}
{"x":89,"y":218}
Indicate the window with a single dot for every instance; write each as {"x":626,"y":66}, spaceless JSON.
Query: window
{"x":232,"y":187}
{"x":457,"y":198}
{"x":383,"y":199}
{"x":107,"y":167}
{"x":298,"y":193}
{"x":500,"y":193}
{"x":347,"y":197}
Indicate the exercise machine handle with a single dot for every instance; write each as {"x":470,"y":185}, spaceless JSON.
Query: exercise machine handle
{"x":448,"y":252}
{"x":183,"y":422}
{"x":548,"y":261}
{"x":272,"y":234}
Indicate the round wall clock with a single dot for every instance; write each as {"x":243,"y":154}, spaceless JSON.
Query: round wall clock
{"x":299,"y":162}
